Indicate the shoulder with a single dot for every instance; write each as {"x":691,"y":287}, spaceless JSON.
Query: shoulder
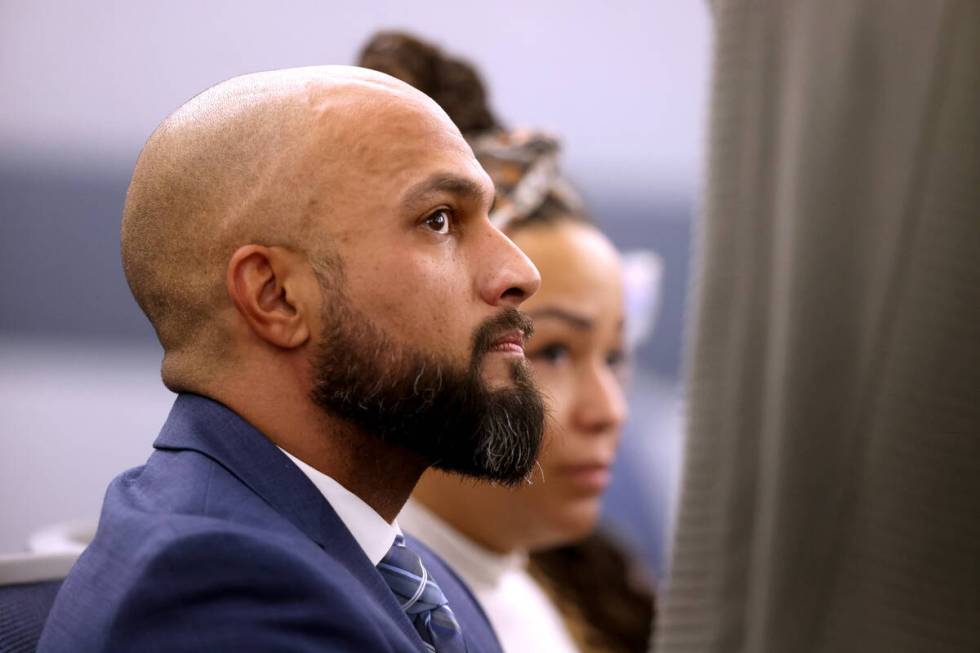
{"x":240,"y":589}
{"x":217,"y":590}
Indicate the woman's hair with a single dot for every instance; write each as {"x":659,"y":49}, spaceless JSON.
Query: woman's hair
{"x":611,"y":608}
{"x":523,"y":163}
{"x":453,"y":83}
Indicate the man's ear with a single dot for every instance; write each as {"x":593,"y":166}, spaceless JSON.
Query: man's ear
{"x":264,"y":284}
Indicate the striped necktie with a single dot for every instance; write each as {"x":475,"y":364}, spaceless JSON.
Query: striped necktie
{"x":421,"y":599}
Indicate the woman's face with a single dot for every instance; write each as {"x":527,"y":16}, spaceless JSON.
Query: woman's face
{"x":577,"y":359}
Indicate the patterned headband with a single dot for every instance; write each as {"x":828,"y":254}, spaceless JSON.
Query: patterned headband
{"x":524,"y":167}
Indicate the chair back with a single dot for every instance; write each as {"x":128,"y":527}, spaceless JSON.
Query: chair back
{"x":23,"y":610}
{"x":29,"y":583}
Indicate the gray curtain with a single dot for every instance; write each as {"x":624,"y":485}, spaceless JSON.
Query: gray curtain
{"x":831,"y":497}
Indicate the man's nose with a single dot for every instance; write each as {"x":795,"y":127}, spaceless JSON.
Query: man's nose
{"x":509,"y":277}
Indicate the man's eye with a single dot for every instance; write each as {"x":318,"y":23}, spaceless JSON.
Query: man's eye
{"x":439,"y":222}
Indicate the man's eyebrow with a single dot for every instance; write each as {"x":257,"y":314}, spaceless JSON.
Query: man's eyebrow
{"x":445,"y":183}
{"x":575,"y":320}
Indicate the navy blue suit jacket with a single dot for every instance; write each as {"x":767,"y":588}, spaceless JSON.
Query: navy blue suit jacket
{"x":220,"y":543}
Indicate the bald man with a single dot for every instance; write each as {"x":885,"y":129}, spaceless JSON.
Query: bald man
{"x":337,"y":314}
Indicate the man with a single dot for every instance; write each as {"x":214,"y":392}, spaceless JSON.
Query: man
{"x":313,"y":249}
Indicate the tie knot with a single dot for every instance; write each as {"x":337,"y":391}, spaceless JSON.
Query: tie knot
{"x":407,"y":577}
{"x":420,"y":598}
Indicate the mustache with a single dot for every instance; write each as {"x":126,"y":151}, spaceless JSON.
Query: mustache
{"x":487,"y":333}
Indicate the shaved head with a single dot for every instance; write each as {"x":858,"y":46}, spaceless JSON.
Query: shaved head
{"x":257,"y":159}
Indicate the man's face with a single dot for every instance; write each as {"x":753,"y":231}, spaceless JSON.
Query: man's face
{"x":422,"y":341}
{"x":424,"y":401}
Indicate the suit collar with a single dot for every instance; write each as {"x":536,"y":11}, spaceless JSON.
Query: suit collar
{"x":200,"y":424}
{"x":373,"y":534}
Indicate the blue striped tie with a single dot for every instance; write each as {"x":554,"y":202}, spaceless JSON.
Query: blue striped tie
{"x":421,"y":599}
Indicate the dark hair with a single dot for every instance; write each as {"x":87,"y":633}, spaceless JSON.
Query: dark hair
{"x":453,"y":83}
{"x":552,"y":212}
{"x":458,"y":88}
{"x":608,"y":604}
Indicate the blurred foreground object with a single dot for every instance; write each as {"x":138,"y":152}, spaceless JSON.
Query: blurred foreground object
{"x":832,"y":480}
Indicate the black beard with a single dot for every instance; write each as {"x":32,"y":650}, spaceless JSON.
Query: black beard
{"x":424,"y":403}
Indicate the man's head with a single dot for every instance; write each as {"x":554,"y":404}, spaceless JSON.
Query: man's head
{"x":325,"y":231}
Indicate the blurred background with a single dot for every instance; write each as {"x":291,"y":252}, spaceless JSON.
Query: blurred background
{"x":83,"y":84}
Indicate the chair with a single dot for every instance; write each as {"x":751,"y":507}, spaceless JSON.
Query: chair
{"x":29,"y":583}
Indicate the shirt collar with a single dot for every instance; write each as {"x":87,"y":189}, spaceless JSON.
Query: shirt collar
{"x":372,"y":533}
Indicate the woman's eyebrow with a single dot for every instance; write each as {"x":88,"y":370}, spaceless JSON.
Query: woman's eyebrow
{"x":576,"y":320}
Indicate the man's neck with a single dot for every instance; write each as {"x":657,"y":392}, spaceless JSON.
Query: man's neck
{"x":383,"y":475}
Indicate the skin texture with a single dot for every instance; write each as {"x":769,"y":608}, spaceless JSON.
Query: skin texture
{"x":576,"y":356}
{"x":288,"y":173}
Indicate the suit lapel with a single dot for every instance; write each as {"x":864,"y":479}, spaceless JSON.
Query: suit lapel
{"x":199,"y":424}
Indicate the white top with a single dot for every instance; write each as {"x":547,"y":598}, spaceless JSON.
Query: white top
{"x":374,"y":535}
{"x":520,"y":612}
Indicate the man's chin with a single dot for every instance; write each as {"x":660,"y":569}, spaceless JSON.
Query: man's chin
{"x":506,"y":442}
{"x":483,"y":420}
{"x":500,"y":371}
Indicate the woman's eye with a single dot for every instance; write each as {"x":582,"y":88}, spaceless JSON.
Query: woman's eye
{"x":551,"y":354}
{"x":619,"y":364}
{"x":616,"y":359}
{"x":439,"y":222}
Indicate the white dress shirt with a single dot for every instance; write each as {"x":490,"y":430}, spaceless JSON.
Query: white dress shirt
{"x":374,"y":535}
{"x":520,"y":612}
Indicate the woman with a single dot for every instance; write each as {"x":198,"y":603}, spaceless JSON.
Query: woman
{"x":522,"y":551}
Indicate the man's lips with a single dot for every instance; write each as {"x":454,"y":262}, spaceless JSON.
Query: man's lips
{"x":511,"y":342}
